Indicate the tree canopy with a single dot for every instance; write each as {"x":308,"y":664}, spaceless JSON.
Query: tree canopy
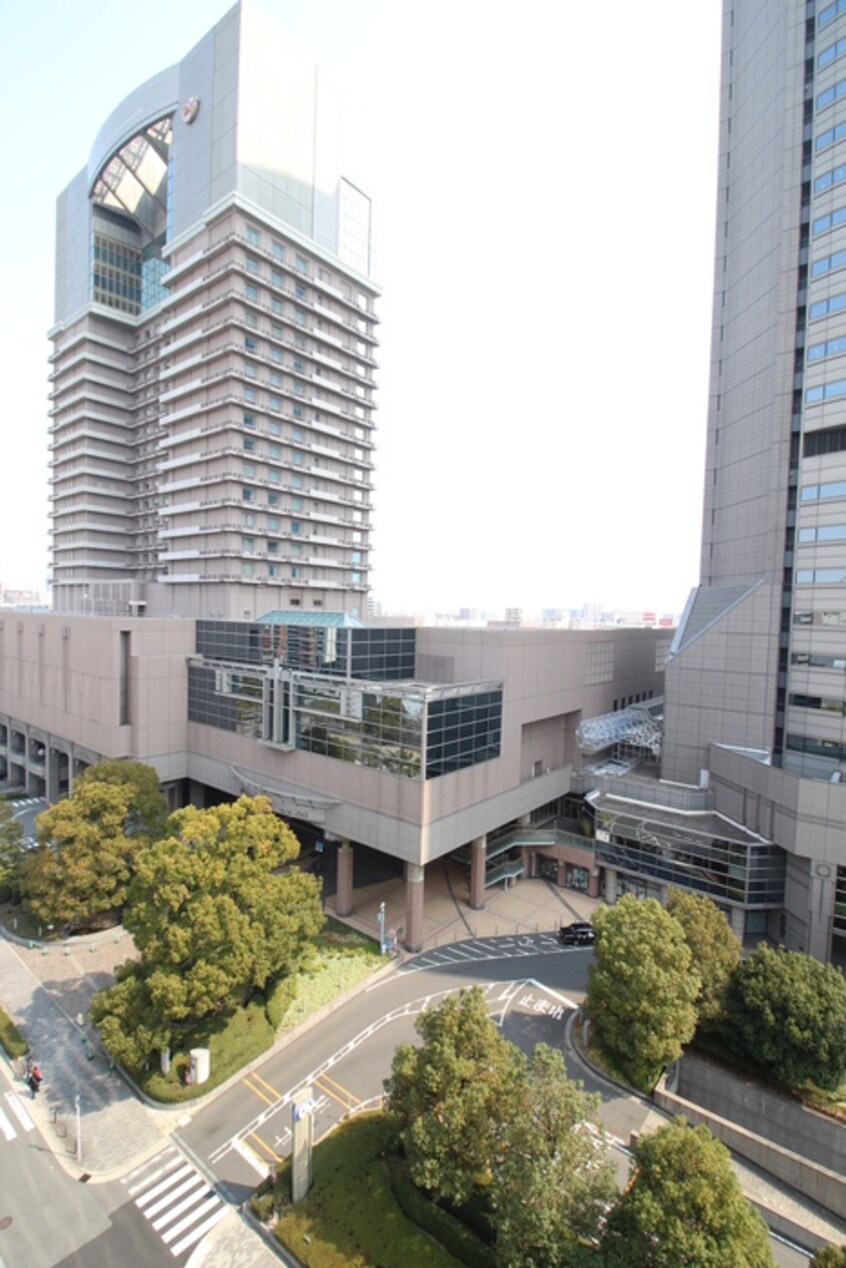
{"x":642,"y":987}
{"x":12,"y":853}
{"x":829,"y":1257}
{"x":88,"y":842}
{"x":84,"y":861}
{"x":714,"y":949}
{"x":455,"y":1096}
{"x":555,"y":1181}
{"x":684,"y":1206}
{"x":786,"y":1012}
{"x":215,"y":915}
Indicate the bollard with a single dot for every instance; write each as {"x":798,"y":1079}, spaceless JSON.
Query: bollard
{"x":43,"y":950}
{"x":31,"y":945}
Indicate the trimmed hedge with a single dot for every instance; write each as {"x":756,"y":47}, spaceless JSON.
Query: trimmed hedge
{"x":280,"y":997}
{"x":433,"y":1219}
{"x":11,"y":1038}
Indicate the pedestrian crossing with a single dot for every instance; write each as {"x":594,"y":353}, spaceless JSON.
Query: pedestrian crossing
{"x":14,"y":1106}
{"x":495,"y":948}
{"x":22,"y":802}
{"x":177,"y":1201}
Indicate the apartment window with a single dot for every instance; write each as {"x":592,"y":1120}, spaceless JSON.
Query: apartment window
{"x":272,"y":476}
{"x":250,"y":343}
{"x":831,"y":53}
{"x":296,"y":549}
{"x":274,"y":402}
{"x":299,"y":341}
{"x":247,"y":495}
{"x":250,"y":319}
{"x":299,"y":388}
{"x":832,"y":94}
{"x":276,"y":330}
{"x":300,"y":291}
{"x":831,"y":348}
{"x":827,"y":263}
{"x":250,"y":370}
{"x":820,"y":492}
{"x":821,"y":576}
{"x":297,"y":433}
{"x":248,"y":519}
{"x":248,"y":468}
{"x":250,"y":395}
{"x":295,"y":526}
{"x":274,"y":427}
{"x":273,"y":451}
{"x":301,"y":263}
{"x":252,"y":265}
{"x":275,"y":378}
{"x":246,"y":568}
{"x":253,"y":236}
{"x":277,"y":278}
{"x":273,"y":523}
{"x":297,"y":458}
{"x":299,"y":316}
{"x":249,"y":444}
{"x":276,"y":305}
{"x":273,"y":499}
{"x":299,"y":365}
{"x":298,"y":411}
{"x":296,"y":504}
{"x":273,"y":548}
{"x":272,"y":570}
{"x":830,"y":12}
{"x":356,"y":578}
{"x":356,"y":556}
{"x":830,"y":136}
{"x":295,"y":572}
{"x":278,"y":250}
{"x":251,"y":292}
{"x":249,"y":420}
{"x":825,"y":392}
{"x":823,"y":307}
{"x":248,"y":545}
{"x":276,"y":355}
{"x":825,"y":533}
{"x":297,"y":482}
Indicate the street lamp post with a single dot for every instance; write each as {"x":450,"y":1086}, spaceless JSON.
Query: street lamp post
{"x":382,"y":928}
{"x":78,"y":1129}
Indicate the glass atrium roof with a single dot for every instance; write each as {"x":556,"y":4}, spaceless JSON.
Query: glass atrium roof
{"x":134,"y":180}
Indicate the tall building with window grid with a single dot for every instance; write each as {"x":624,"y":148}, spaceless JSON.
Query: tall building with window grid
{"x":212,"y":384}
{"x":755,"y":696}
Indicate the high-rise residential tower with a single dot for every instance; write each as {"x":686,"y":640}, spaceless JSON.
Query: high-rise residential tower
{"x":755,"y":698}
{"x":213,"y":363}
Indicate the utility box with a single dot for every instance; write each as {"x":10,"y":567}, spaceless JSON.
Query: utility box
{"x":200,"y":1065}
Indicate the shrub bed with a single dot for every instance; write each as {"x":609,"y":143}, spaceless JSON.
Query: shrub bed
{"x":14,"y":1044}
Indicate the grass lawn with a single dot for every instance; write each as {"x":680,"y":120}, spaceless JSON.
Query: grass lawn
{"x":350,"y":1217}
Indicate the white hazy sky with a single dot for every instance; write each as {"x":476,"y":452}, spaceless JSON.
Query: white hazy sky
{"x":544,"y":179}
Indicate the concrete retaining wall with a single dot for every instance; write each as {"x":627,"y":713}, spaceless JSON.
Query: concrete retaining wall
{"x":752,"y":1121}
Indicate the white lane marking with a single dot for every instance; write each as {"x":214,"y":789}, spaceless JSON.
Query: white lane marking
{"x":6,"y":1127}
{"x":199,"y":1232}
{"x":164,"y":1186}
{"x":193,"y":1182}
{"x":19,"y":1112}
{"x":181,"y":1207}
{"x":198,"y":1213}
{"x":247,"y":1154}
{"x":156,"y":1175}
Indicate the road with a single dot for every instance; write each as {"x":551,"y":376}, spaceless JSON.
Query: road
{"x":531,"y":984}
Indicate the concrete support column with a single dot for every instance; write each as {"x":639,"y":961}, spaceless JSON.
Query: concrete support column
{"x":414,"y":890}
{"x":478,"y":854}
{"x":344,"y":892}
{"x":737,"y":920}
{"x":610,"y":886}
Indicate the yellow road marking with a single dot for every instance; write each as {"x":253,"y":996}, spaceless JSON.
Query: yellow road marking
{"x":348,"y":1103}
{"x":266,"y":1146}
{"x":256,"y":1092}
{"x":264,"y":1083}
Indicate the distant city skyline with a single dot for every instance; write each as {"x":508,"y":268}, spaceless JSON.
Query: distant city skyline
{"x":546,"y":273}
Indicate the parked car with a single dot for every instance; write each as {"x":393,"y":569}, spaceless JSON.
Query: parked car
{"x":580,"y":934}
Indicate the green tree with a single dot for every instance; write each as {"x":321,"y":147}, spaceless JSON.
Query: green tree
{"x":714,"y":949}
{"x":215,"y":914}
{"x":829,"y":1257}
{"x":684,"y":1206}
{"x":84,"y":861}
{"x":786,"y":1012}
{"x":12,"y":853}
{"x":555,"y":1181}
{"x":147,"y":812}
{"x":641,"y":988}
{"x":456,"y":1096}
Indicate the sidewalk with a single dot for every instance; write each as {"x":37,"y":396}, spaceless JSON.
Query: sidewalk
{"x":784,"y":1209}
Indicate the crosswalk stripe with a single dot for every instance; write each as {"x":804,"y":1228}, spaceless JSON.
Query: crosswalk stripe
{"x":19,"y":1112}
{"x":172,"y":1195}
{"x":165,"y":1184}
{"x":191,"y":1218}
{"x":197,"y":1233}
{"x":149,"y":1179}
{"x":183,"y":1206}
{"x":6,"y":1127}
